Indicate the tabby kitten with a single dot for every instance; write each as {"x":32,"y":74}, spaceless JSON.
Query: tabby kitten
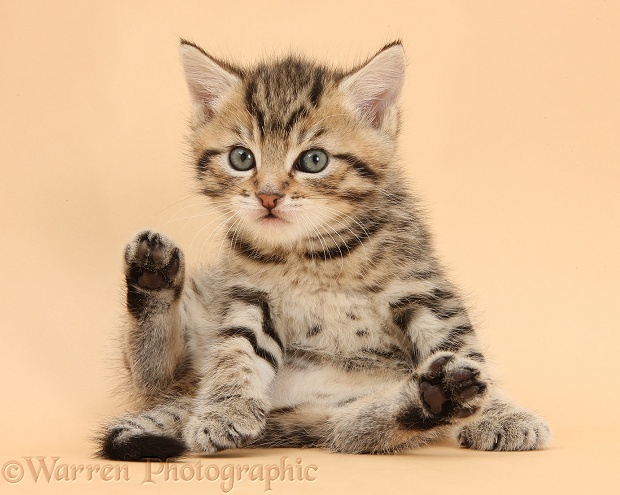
{"x":328,"y":321}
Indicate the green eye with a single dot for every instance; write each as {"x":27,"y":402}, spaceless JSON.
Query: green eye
{"x":241,"y":159}
{"x":312,"y":161}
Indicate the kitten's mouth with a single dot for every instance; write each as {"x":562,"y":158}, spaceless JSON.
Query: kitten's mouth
{"x":272,"y":219}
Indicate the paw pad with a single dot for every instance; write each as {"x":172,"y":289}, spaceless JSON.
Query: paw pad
{"x":451,"y":389}
{"x":434,"y":396}
{"x":153,"y":261}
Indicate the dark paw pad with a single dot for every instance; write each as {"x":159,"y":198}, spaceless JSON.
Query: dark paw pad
{"x":152,"y":280}
{"x":469,"y":392}
{"x":461,"y":374}
{"x":434,"y":396}
{"x":153,"y":262}
{"x":438,"y":364}
{"x":448,"y":389}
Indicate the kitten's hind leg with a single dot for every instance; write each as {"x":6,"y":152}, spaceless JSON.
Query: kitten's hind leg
{"x":505,"y":426}
{"x":447,"y":391}
{"x":154,"y":344}
{"x":151,"y":434}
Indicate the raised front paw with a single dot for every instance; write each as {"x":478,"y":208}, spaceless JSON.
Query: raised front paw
{"x":452,"y":387}
{"x":505,"y":426}
{"x":232,"y":425}
{"x":153,"y":262}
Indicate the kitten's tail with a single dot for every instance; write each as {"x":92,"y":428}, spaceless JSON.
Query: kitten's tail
{"x":141,"y":447}
{"x":141,"y":437}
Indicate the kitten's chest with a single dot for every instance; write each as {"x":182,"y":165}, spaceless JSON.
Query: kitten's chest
{"x":308,"y":315}
{"x":341,"y":324}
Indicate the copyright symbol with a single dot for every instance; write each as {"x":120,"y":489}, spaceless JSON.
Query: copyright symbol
{"x":13,"y":472}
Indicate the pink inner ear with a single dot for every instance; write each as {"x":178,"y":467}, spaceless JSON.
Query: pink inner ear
{"x":375,"y":107}
{"x":374,"y":88}
{"x":208,"y":81}
{"x":204,"y":99}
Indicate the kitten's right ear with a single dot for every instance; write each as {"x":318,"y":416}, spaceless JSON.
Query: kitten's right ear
{"x":373,"y":89}
{"x":209,"y":80}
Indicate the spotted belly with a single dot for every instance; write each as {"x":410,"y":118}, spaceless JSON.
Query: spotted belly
{"x":344,"y":331}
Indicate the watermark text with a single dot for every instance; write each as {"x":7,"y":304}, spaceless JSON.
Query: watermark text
{"x":49,"y":470}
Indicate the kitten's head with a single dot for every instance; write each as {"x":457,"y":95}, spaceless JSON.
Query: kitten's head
{"x":292,"y":150}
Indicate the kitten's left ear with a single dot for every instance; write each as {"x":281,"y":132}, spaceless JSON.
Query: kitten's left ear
{"x":374,"y":88}
{"x":208,"y":79}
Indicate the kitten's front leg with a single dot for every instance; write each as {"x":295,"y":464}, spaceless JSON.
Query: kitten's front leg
{"x":232,"y":403}
{"x":154,"y":345}
{"x":446,"y":391}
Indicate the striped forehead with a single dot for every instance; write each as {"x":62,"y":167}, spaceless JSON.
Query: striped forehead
{"x":278,"y":95}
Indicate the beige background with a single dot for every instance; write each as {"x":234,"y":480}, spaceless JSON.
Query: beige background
{"x":511,"y":136}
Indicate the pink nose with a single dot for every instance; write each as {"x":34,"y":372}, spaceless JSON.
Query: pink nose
{"x":268,"y":200}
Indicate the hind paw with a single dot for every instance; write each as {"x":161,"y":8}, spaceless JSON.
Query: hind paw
{"x":452,"y":387}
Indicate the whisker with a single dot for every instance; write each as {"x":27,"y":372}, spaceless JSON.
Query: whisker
{"x":310,"y":236}
{"x":225,"y":236}
{"x":367,"y":258}
{"x":214,"y":234}
{"x":207,"y":204}
{"x":320,"y":226}
{"x":236,"y":233}
{"x":184,"y":198}
{"x":204,"y":227}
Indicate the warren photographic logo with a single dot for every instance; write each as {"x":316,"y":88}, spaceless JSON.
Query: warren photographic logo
{"x":225,"y":476}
